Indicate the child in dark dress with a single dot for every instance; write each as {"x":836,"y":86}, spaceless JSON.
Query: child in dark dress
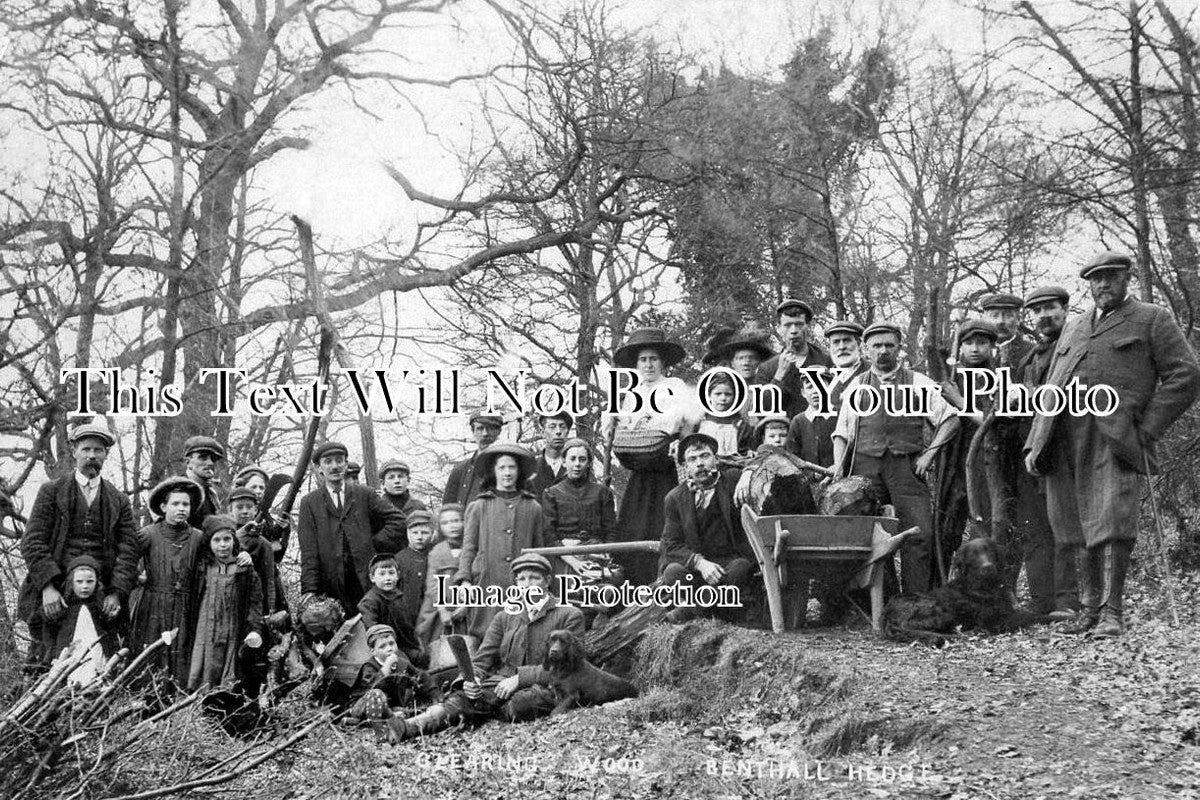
{"x":84,"y":622}
{"x":443,"y":560}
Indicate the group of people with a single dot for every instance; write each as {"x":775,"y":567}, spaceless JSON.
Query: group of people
{"x":1059,"y":493}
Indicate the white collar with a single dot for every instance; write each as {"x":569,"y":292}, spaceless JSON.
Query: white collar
{"x":85,"y":481}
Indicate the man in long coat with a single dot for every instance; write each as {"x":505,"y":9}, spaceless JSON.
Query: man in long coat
{"x":342,"y":527}
{"x":76,"y":515}
{"x":793,"y":324}
{"x":1093,"y":462}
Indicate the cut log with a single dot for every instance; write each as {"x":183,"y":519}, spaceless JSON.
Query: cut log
{"x":852,"y":496}
{"x":614,"y":646}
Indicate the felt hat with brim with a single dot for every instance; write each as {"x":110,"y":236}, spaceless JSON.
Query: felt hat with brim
{"x":760,"y":427}
{"x":532,"y":561}
{"x":327,"y":449}
{"x":419,"y":516}
{"x":641,"y":339}
{"x":977,"y":327}
{"x":92,"y":432}
{"x":376,"y":631}
{"x":883,"y":327}
{"x":1045,"y":294}
{"x":845,"y":326}
{"x":203,"y":444}
{"x":693,"y":439}
{"x":83,"y":562}
{"x":526,"y":461}
{"x":750,"y":338}
{"x":394,"y":465}
{"x":242,"y":493}
{"x":484,"y":418}
{"x":1000,"y":300}
{"x":715,"y":345}
{"x":177,"y":483}
{"x":1109,"y":259}
{"x":217,"y":522}
{"x":243,"y":474}
{"x":793,"y":306}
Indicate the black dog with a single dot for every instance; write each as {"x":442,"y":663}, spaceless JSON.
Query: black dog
{"x":975,"y":599}
{"x":575,"y":680}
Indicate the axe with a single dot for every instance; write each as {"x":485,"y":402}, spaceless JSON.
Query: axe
{"x":458,"y":646}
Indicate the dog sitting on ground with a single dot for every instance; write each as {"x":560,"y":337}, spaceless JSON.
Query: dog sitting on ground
{"x":575,"y":680}
{"x":975,"y":598}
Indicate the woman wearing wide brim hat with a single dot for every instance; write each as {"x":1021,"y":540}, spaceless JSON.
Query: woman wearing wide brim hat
{"x":746,"y":349}
{"x":502,"y":520}
{"x":178,"y":483}
{"x":651,"y":475}
{"x":643,"y":339}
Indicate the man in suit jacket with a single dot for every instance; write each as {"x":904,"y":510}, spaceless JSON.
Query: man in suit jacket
{"x":342,"y":527}
{"x":464,"y":485}
{"x":1092,"y":462}
{"x":811,"y":436}
{"x":702,"y":538}
{"x":794,"y":319}
{"x":80,"y":514}
{"x":550,"y":467}
{"x":201,"y":454}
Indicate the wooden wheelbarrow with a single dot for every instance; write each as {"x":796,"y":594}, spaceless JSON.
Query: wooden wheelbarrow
{"x":810,"y":542}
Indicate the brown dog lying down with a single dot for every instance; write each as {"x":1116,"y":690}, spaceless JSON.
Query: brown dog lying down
{"x":576,"y":681}
{"x":975,"y":598}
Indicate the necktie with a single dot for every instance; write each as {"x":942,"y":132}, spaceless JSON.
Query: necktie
{"x":89,"y":492}
{"x":337,"y":499}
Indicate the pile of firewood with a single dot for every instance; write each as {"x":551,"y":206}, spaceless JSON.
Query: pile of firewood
{"x":64,"y":741}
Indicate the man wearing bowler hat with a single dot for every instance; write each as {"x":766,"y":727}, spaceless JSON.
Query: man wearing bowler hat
{"x":793,"y":320}
{"x":201,"y":454}
{"x":464,"y":484}
{"x":890,"y":448}
{"x":1092,"y":462}
{"x":342,"y":527}
{"x":80,"y":514}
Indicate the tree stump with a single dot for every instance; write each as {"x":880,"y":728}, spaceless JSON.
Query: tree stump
{"x":614,"y":646}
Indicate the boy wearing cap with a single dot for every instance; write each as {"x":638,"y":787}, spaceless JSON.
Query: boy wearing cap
{"x":793,"y":326}
{"x":393,"y":480}
{"x":464,"y":482}
{"x":76,"y":515}
{"x":384,"y":604}
{"x":387,"y":680}
{"x":508,"y":663}
{"x":413,"y":562}
{"x":342,"y":526}
{"x":201,"y":454}
{"x":549,"y":468}
{"x":1093,"y":462}
{"x":890,"y":447}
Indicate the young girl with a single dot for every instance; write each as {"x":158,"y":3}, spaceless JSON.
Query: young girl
{"x":84,"y":622}
{"x":226,"y":607}
{"x":733,"y":433}
{"x":443,"y":560}
{"x":503,"y":520}
{"x":577,"y":507}
{"x":169,"y":548}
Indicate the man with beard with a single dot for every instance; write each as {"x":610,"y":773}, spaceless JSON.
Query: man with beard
{"x":702,"y":538}
{"x":201,"y":454}
{"x":550,"y":467}
{"x":342,"y":526}
{"x":888,"y":445}
{"x":1049,"y":566}
{"x":794,"y":318}
{"x":1093,"y":462}
{"x":464,"y":484}
{"x":80,"y":514}
{"x":810,"y":434}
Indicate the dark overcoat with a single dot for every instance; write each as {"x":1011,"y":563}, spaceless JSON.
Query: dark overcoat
{"x":681,"y":534}
{"x":44,"y":543}
{"x":792,"y":383}
{"x":370,"y":524}
{"x":1139,"y":350}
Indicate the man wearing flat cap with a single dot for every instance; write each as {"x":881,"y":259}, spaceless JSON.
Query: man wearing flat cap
{"x":80,"y":514}
{"x":1093,"y":462}
{"x":793,"y":320}
{"x":890,"y":448}
{"x":1004,"y":311}
{"x":342,"y":527}
{"x":1049,"y":566}
{"x":201,"y":454}
{"x":394,"y":476}
{"x":464,"y":484}
{"x":810,"y":435}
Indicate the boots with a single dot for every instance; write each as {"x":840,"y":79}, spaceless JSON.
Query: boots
{"x":1115,"y":564}
{"x":428,"y":722}
{"x":1089,"y":569}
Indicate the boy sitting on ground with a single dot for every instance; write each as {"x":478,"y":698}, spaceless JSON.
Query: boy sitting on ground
{"x":388,"y":680}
